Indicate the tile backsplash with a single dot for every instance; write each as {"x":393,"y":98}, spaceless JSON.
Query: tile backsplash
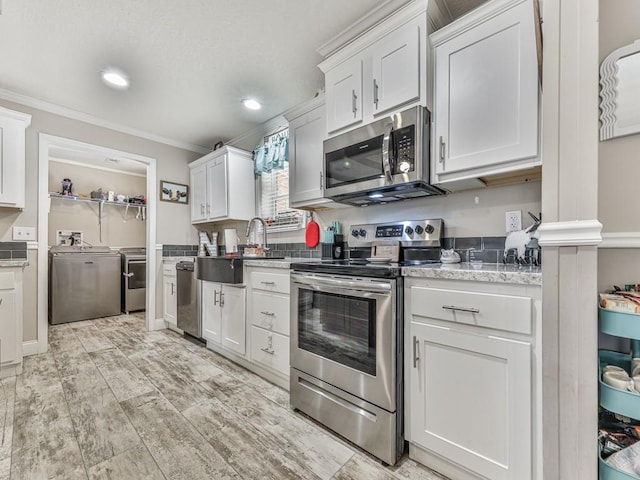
{"x":13,"y":250}
{"x":487,"y":249}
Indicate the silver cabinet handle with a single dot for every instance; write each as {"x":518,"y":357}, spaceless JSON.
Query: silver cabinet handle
{"x":221,"y":298}
{"x":321,"y":182}
{"x":442,"y":147}
{"x":129,"y":275}
{"x":375,"y":92}
{"x":268,"y":283}
{"x":202,"y":209}
{"x":269,"y":348}
{"x":461,"y":309}
{"x":215,"y":298}
{"x":208,"y":209}
{"x":172,"y":285}
{"x":268,"y":314}
{"x":354,"y":97}
{"x":415,"y":352}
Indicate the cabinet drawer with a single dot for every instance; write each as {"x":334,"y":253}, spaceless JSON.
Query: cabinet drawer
{"x":271,"y":311}
{"x":271,"y":282}
{"x":491,"y":310}
{"x":270,"y":350}
{"x":7,"y":280}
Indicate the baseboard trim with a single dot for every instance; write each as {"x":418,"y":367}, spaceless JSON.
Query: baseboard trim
{"x":158,"y":324}
{"x":30,"y":347}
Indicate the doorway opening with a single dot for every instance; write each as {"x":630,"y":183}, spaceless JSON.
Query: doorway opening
{"x":88,"y":155}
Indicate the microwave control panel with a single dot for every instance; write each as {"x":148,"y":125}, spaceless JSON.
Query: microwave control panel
{"x":404,"y":140}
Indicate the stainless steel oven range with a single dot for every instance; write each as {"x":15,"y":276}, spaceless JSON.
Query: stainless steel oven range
{"x":347,"y":333}
{"x":134,"y":279}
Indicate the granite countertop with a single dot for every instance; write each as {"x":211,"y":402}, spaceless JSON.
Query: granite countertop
{"x":279,"y":263}
{"x":13,"y":263}
{"x":178,"y":259}
{"x":485,"y":272}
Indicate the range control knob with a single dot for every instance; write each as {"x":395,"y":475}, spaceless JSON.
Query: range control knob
{"x":419,"y":229}
{"x":355,"y":233}
{"x":362,"y":232}
{"x":429,"y":229}
{"x":408,"y":230}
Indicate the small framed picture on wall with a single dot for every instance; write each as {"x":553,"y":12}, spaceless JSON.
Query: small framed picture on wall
{"x":174,"y":192}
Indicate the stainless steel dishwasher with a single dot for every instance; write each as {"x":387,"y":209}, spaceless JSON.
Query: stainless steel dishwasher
{"x":84,"y":283}
{"x":188,"y":289}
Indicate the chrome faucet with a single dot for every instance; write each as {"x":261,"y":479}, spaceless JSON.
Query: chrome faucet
{"x":264,"y":231}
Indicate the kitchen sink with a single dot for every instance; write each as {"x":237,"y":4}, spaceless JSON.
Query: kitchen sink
{"x":225,"y":269}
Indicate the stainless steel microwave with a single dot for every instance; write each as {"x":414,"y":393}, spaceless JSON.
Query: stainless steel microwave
{"x":382,"y":162}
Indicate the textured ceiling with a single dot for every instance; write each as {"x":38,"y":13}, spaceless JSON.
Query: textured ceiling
{"x":191,"y":62}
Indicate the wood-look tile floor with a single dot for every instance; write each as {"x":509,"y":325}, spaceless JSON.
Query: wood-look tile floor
{"x":112,"y":401}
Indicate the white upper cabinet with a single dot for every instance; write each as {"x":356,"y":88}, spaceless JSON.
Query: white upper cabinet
{"x":379,"y":72}
{"x":222,"y":186}
{"x":486,"y":93}
{"x":198,"y":184}
{"x":343,"y":85}
{"x":395,"y":65}
{"x":307,"y":131}
{"x":12,"y":157}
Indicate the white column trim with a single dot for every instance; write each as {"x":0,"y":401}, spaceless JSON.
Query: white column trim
{"x":620,"y":240}
{"x":567,"y":234}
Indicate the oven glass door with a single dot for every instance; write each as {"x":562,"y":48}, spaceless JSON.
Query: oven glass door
{"x":356,"y":163}
{"x":339,"y":327}
{"x":344,"y":333}
{"x":137,"y":278}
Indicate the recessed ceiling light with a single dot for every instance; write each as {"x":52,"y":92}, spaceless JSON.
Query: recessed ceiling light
{"x":115,"y":78}
{"x":252,"y":104}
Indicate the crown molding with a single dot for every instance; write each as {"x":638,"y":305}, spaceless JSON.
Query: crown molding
{"x":438,"y":15}
{"x":99,"y":122}
{"x":477,"y":16}
{"x":354,"y":44}
{"x":303,"y":108}
{"x":568,"y":234}
{"x":272,"y":125}
{"x":367,"y":22}
{"x":620,"y":240}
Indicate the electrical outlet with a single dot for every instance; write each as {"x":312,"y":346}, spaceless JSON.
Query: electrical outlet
{"x":513,"y":221}
{"x":24,"y":233}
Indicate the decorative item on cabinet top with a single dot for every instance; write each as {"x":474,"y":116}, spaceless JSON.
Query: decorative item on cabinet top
{"x":620,"y":97}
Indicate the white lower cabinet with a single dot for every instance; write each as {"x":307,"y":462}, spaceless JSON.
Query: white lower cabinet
{"x":270,"y":349}
{"x":170,"y":298}
{"x":268,"y":317}
{"x":471,"y":383}
{"x":10,"y":321}
{"x":223,"y":315}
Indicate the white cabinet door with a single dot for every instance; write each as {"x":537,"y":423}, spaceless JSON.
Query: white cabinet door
{"x":211,"y":312}
{"x":344,"y":94}
{"x":306,"y":158}
{"x":217,"y":206}
{"x":198,"y":182}
{"x":396,"y":72}
{"x":232,"y":302}
{"x":12,"y":157}
{"x":471,"y":400}
{"x":8,"y":327}
{"x":486,"y":94}
{"x":170,"y":300}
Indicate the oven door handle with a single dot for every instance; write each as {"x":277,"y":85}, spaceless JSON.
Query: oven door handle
{"x":319,"y":282}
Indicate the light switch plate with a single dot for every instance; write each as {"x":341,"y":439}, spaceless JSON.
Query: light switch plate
{"x":25,"y":234}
